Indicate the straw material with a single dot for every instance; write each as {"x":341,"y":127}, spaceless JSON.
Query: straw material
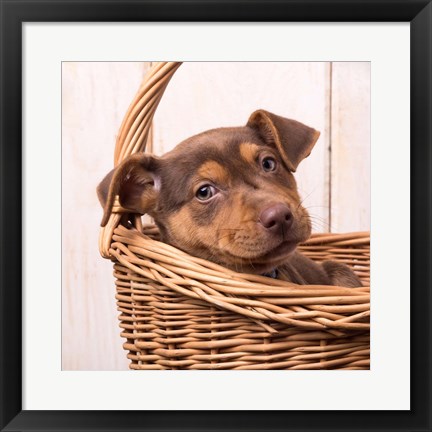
{"x":183,"y":312}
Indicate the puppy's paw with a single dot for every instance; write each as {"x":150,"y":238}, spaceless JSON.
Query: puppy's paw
{"x":341,"y":275}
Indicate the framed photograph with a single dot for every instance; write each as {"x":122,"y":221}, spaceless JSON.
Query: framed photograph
{"x":357,"y":78}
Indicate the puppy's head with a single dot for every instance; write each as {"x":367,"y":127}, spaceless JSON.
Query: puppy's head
{"x":227,"y":195}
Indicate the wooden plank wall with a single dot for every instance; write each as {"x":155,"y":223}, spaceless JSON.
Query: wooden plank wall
{"x":350,"y":147}
{"x":95,"y":97}
{"x":334,"y":181}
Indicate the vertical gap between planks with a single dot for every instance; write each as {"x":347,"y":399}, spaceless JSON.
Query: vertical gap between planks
{"x":330,"y":102}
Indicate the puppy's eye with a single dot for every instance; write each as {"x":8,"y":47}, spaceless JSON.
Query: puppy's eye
{"x":206,"y":192}
{"x":268,"y":164}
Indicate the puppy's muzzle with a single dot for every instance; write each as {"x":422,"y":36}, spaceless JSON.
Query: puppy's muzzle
{"x":277,"y":218}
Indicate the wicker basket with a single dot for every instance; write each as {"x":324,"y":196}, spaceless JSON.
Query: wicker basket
{"x":182,"y":312}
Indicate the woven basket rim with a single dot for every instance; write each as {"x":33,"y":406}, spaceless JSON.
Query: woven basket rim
{"x":258,"y":297}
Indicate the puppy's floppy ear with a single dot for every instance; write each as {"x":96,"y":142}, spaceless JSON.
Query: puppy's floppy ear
{"x":136,"y":181}
{"x":293,"y":139}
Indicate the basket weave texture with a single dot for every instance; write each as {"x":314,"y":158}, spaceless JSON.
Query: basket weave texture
{"x":182,"y":312}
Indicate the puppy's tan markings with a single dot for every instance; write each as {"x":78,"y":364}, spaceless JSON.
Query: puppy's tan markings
{"x":214,"y":171}
{"x":182,"y":224}
{"x":248,"y":152}
{"x":191,"y":237}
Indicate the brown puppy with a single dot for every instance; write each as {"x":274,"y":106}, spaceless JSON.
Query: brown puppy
{"x":228,"y":195}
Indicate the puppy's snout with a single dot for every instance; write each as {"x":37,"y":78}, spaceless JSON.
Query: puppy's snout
{"x":276,"y":217}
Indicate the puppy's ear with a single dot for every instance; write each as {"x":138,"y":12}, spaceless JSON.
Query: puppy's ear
{"x":293,"y":139}
{"x":136,"y":181}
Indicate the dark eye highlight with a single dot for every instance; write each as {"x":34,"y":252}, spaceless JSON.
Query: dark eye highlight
{"x":268,"y":164}
{"x":205,"y":192}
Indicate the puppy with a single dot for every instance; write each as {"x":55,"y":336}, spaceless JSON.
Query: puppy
{"x":229,"y":195}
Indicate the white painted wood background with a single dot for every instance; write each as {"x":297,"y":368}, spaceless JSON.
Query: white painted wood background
{"x":334,"y":181}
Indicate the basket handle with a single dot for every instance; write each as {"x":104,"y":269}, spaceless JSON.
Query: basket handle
{"x":134,"y":132}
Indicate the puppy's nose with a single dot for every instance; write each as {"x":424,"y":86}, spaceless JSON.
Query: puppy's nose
{"x":276,"y":217}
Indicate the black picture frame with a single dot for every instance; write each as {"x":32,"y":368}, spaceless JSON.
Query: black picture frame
{"x":16,"y":12}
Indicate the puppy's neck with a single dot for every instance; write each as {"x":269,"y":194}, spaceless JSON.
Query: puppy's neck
{"x":267,"y":269}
